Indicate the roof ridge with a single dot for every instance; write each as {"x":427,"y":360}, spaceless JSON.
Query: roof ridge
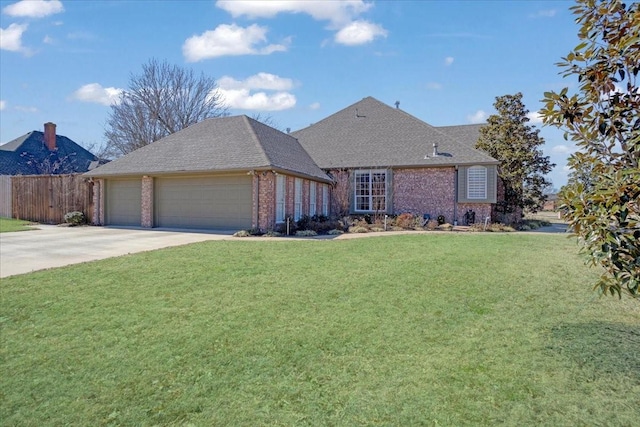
{"x":250,"y":123}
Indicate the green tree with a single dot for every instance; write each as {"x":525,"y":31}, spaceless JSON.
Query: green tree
{"x":508,"y":138}
{"x":602,"y":198}
{"x":163,"y":99}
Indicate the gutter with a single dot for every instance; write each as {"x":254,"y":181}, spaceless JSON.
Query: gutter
{"x":455,"y":196}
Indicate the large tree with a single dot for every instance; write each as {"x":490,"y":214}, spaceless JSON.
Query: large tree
{"x":163,"y":99}
{"x":508,"y":138}
{"x":602,"y":199}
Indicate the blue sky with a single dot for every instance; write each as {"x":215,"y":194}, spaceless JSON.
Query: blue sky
{"x":296,"y":61}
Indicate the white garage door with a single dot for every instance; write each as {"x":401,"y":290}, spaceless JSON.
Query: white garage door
{"x":122,"y":202}
{"x":204,"y":202}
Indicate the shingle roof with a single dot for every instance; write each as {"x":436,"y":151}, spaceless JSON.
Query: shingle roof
{"x":28,"y":155}
{"x":217,"y":144}
{"x":372,"y":134}
{"x":467,"y":134}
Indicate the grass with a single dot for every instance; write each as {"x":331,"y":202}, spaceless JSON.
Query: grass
{"x":433,"y":329}
{"x":8,"y":225}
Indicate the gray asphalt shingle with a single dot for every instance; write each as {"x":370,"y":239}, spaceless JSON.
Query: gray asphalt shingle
{"x":215,"y":145}
{"x":369,"y":133}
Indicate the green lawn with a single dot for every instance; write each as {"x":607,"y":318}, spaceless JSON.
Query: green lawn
{"x":8,"y":224}
{"x":431,"y":329}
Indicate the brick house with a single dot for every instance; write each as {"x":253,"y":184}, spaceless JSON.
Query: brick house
{"x":385,"y":159}
{"x":235,"y":172}
{"x":221,"y":173}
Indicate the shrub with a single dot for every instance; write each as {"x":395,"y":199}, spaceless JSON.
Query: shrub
{"x":446,"y":227}
{"x":241,"y":233}
{"x":432,"y":225}
{"x":306,"y":233}
{"x":272,"y":233}
{"x":74,"y":218}
{"x":405,"y":220}
{"x":377,"y":229}
{"x":335,"y":232}
{"x":358,"y":229}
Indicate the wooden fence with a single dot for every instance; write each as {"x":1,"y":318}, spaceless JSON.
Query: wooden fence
{"x":47,"y":198}
{"x":5,"y":196}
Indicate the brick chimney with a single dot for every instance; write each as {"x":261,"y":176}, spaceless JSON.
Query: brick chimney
{"x":50,"y":136}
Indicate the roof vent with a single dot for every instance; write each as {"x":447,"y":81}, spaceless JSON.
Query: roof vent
{"x":397,"y":105}
{"x":435,"y":149}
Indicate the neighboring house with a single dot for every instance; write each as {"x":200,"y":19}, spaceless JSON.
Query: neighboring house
{"x":385,"y":160}
{"x":44,"y":153}
{"x":226,"y":173}
{"x":235,"y":172}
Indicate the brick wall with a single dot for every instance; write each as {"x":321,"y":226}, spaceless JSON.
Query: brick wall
{"x":98,"y":202}
{"x":424,"y":191}
{"x":266,"y":201}
{"x":147,"y":202}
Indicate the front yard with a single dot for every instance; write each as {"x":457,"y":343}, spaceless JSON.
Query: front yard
{"x":430,"y":329}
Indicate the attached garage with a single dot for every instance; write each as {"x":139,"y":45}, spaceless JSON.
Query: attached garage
{"x":223,"y":202}
{"x":122,"y":204}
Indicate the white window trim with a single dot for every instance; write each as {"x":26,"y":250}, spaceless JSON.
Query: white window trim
{"x":312,"y":199}
{"x":281,"y":191}
{"x":477,"y":190}
{"x":297,"y":200}
{"x":371,"y":172}
{"x":325,"y":200}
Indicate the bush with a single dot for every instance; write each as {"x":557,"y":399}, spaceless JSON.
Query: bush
{"x":74,"y":218}
{"x":358,"y":229}
{"x":241,"y":233}
{"x":335,"y":232}
{"x":272,"y":233}
{"x":405,"y":220}
{"x":306,"y":233}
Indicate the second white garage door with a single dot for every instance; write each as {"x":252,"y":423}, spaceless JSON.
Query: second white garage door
{"x":223,"y":202}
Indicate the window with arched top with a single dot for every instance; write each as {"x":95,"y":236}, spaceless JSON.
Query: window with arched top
{"x":477,"y":182}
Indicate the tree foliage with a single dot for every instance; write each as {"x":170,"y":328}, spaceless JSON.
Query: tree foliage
{"x":602,"y":198}
{"x":163,"y":99}
{"x":508,"y":138}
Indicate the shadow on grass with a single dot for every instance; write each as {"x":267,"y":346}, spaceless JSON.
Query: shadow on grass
{"x":612,"y":348}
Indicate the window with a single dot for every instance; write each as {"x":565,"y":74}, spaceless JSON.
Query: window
{"x":370,"y":191}
{"x":280,"y":197}
{"x":312,"y":199}
{"x":297,"y":200}
{"x":325,"y":200}
{"x":477,"y":182}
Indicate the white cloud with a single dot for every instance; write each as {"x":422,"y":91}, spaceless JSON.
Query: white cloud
{"x":229,"y":40}
{"x":434,"y":86}
{"x":314,"y":106}
{"x":338,"y":13}
{"x":48,"y":40}
{"x":534,"y":117}
{"x":359,"y":32}
{"x":478,"y":117}
{"x":238,"y":93}
{"x":448,"y":60}
{"x":564,"y":149}
{"x":34,"y":8}
{"x":3,"y":104}
{"x":547,"y":13}
{"x":94,"y":92}
{"x":341,"y":15}
{"x":11,"y":38}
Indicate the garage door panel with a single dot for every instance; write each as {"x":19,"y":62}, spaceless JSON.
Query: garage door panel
{"x":123,"y":202}
{"x":205,"y":202}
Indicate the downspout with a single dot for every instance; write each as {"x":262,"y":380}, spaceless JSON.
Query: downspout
{"x":455,"y":197}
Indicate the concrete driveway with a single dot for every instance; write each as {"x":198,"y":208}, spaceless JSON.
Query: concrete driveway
{"x":50,"y":246}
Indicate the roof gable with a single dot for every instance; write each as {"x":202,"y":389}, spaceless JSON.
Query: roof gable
{"x":217,"y":144}
{"x":372,"y":134}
